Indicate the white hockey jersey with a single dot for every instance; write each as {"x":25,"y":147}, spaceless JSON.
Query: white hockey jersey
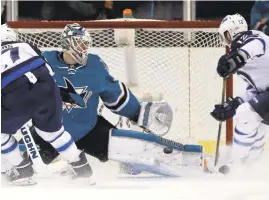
{"x":256,"y":70}
{"x":17,"y":59}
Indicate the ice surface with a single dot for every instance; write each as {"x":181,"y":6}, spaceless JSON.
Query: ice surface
{"x":245,"y":184}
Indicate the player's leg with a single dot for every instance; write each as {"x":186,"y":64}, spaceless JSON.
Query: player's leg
{"x":47,"y":121}
{"x":15,"y":113}
{"x":20,"y":169}
{"x":95,"y":143}
{"x":47,"y":152}
{"x":5,"y":165}
{"x":250,"y":131}
{"x":246,"y":133}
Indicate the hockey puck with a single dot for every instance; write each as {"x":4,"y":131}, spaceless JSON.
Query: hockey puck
{"x":224,"y":169}
{"x":167,"y":150}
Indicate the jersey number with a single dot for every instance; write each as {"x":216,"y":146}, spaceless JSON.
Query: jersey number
{"x":14,"y":53}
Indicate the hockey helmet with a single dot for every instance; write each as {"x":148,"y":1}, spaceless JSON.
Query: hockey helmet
{"x":231,"y":27}
{"x":77,"y":41}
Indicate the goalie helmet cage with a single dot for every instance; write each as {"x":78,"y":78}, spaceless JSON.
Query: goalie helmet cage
{"x":172,"y":60}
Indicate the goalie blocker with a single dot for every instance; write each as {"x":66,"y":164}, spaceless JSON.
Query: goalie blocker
{"x":138,"y":151}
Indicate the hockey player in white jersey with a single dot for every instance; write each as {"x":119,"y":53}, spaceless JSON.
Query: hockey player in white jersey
{"x":249,"y":59}
{"x":28,"y":91}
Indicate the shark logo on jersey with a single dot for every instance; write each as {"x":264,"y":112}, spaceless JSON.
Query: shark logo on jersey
{"x":74,"y":97}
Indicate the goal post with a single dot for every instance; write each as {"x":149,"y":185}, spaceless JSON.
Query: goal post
{"x":171,"y":60}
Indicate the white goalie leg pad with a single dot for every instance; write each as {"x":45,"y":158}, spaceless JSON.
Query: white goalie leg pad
{"x":249,"y":134}
{"x":10,"y":149}
{"x":156,"y":116}
{"x":148,"y":153}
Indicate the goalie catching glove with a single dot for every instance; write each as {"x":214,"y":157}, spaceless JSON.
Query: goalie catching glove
{"x":227,"y":110}
{"x":155,"y":117}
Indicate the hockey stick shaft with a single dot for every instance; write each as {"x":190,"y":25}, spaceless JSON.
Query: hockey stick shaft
{"x":32,"y":149}
{"x":220,"y":123}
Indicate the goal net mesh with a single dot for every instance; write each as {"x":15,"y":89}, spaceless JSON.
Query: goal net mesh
{"x":177,"y":63}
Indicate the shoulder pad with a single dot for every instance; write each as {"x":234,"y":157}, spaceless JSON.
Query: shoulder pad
{"x":243,"y":39}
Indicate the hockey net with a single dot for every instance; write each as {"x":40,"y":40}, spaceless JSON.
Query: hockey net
{"x":175,"y":61}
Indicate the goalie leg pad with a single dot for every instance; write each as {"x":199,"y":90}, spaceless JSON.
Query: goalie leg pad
{"x":154,"y":154}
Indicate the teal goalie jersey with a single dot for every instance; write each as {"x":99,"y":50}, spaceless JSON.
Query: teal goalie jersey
{"x":81,"y":87}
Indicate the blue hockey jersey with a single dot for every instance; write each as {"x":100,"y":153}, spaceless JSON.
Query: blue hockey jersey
{"x":81,"y":87}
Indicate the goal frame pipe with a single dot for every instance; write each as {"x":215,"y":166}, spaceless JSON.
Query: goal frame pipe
{"x":121,"y":23}
{"x":12,"y":10}
{"x":135,"y":24}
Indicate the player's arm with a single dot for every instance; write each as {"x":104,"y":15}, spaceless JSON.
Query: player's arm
{"x":119,"y":99}
{"x":116,"y":96}
{"x":228,"y":110}
{"x":253,"y":46}
{"x":154,"y":116}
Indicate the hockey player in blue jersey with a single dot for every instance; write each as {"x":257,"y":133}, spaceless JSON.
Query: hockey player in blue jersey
{"x":83,"y":78}
{"x":28,"y":91}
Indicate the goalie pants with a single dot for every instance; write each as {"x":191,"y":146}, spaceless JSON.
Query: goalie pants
{"x":95,"y":143}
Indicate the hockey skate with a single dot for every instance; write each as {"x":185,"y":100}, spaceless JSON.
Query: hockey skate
{"x":21,"y":174}
{"x":79,"y":169}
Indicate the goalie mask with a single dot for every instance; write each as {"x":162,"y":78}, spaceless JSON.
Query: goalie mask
{"x":76,"y":41}
{"x":231,"y":27}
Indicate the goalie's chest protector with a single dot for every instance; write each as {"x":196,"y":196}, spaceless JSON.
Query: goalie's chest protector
{"x":80,"y":88}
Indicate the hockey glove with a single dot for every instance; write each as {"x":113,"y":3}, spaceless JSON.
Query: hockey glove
{"x":229,"y":63}
{"x":226,"y":111}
